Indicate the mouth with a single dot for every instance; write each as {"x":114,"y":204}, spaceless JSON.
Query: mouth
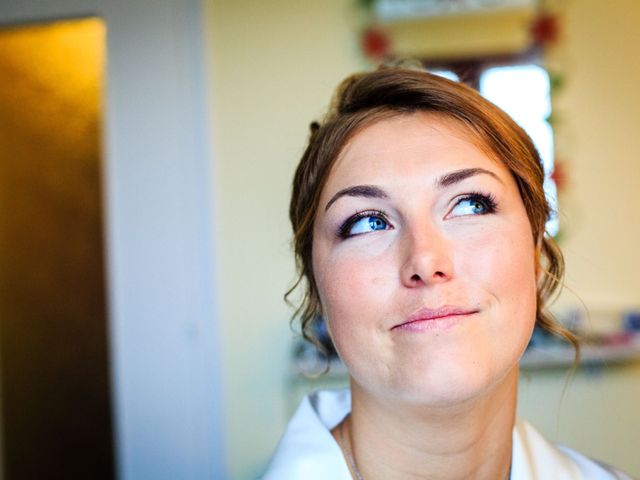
{"x":433,"y":318}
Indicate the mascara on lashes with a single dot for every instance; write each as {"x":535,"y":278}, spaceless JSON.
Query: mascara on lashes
{"x":488,"y":200}
{"x":343,"y":230}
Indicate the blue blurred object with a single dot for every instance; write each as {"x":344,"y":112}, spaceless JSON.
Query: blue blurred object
{"x":631,"y":320}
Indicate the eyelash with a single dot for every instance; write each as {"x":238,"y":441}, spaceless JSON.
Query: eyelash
{"x":343,"y":231}
{"x":487,"y":199}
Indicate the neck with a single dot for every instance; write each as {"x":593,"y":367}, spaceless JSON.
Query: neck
{"x":471,"y":440}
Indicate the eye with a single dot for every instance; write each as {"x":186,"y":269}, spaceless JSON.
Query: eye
{"x":363,"y":222}
{"x":474,"y":204}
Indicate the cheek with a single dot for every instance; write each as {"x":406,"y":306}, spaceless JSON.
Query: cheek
{"x":505,"y":266}
{"x":509,"y":268}
{"x":354,"y":288}
{"x":346,"y":287}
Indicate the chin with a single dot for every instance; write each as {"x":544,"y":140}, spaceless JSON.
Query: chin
{"x":448,"y":397}
{"x":451,"y":394}
{"x":450,"y":386}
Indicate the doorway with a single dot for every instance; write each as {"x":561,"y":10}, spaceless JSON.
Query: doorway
{"x":54,"y":357}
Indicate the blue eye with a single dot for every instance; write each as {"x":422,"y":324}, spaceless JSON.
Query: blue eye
{"x":476,"y":204}
{"x":363,"y":222}
{"x":367,"y":224}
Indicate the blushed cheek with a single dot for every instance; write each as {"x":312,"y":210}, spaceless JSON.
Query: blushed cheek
{"x":351,"y":292}
{"x":352,"y":278}
{"x":520,"y":275}
{"x":344,"y":288}
{"x":507,"y":269}
{"x":513,"y":283}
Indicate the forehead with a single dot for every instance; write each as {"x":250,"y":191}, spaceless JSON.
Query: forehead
{"x":402,"y":145}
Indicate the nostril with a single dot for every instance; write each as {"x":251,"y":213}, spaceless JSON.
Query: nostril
{"x":439,"y":274}
{"x":415,"y":277}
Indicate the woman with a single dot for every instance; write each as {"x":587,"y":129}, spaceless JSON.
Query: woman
{"x":418,"y":212}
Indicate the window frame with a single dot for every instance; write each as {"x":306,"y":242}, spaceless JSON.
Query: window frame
{"x":469,"y":69}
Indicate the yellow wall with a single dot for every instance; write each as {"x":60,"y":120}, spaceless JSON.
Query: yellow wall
{"x":455,"y":36}
{"x":602,"y":107}
{"x":272,"y":68}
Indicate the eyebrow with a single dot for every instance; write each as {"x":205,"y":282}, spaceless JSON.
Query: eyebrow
{"x":459,"y":175}
{"x":367,"y":191}
{"x":371,"y":191}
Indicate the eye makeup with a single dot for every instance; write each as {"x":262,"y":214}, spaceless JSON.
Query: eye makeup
{"x":344,"y":231}
{"x":486,"y":200}
{"x":483,"y":204}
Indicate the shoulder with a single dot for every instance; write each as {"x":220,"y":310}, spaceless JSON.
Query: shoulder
{"x":307,"y":448}
{"x":592,"y":468}
{"x":535,"y":457}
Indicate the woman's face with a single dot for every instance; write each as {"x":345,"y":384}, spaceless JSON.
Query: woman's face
{"x":424,"y":261}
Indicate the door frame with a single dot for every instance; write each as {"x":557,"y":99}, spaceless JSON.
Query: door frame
{"x":159,"y":235}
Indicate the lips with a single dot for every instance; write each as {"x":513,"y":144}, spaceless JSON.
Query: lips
{"x":433,"y":314}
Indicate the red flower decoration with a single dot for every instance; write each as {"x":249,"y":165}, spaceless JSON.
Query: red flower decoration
{"x":545,"y":29}
{"x":560,"y":176}
{"x":376,"y":43}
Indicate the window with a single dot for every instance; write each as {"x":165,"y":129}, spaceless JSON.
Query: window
{"x":521,"y":87}
{"x":523,"y":92}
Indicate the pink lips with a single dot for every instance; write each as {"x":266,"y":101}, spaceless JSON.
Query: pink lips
{"x":434,"y":318}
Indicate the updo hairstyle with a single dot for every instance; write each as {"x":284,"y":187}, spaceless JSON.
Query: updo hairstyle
{"x":366,"y":98}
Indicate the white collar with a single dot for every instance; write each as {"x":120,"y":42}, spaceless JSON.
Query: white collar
{"x":308,"y":451}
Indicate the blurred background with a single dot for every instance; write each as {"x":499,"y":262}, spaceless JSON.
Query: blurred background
{"x":146,"y":155}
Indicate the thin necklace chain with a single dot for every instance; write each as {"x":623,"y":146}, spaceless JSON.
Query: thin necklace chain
{"x":346,"y":448}
{"x":352,"y":462}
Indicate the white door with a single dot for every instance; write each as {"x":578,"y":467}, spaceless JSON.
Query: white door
{"x":159,"y":235}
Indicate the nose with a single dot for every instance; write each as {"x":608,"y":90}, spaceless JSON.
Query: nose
{"x":426,"y":258}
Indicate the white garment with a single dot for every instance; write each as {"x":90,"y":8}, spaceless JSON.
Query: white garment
{"x":308,"y":451}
